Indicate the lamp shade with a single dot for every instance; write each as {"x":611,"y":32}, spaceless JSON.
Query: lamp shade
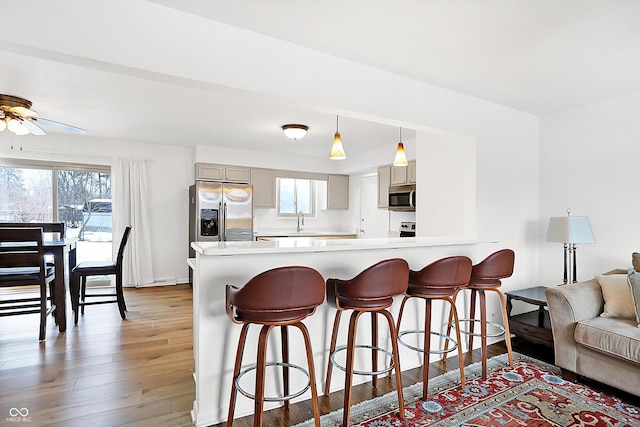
{"x":337,"y":150}
{"x":570,"y":229}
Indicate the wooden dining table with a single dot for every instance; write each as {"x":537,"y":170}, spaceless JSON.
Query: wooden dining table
{"x":62,"y":250}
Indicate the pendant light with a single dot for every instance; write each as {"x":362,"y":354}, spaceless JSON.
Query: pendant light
{"x":401,"y":158}
{"x":337,"y":151}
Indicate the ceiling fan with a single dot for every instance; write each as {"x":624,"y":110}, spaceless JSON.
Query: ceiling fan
{"x":17,"y":116}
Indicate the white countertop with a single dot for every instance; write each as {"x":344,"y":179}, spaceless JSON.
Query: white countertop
{"x":302,"y":233}
{"x":308,"y":244}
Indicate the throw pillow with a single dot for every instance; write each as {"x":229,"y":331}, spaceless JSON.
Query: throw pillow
{"x":635,"y":261}
{"x":633,"y":277}
{"x":617,"y":296}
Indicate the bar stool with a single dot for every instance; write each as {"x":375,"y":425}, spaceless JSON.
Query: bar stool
{"x":371,"y":291}
{"x":440,"y":280}
{"x":279,"y":297}
{"x":485,"y":276}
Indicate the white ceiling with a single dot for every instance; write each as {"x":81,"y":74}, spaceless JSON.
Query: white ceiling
{"x":538,"y":56}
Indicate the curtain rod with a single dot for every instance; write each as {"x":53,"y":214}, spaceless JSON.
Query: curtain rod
{"x":13,"y":148}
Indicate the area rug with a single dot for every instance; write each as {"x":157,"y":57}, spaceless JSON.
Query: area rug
{"x":532,"y":393}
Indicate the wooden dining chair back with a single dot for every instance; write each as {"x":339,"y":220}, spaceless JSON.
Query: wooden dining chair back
{"x":22,"y":264}
{"x":85,"y":269}
{"x":58,"y":228}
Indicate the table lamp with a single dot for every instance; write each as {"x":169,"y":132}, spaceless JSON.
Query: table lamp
{"x":570,"y":230}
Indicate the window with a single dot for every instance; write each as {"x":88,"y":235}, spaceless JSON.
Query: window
{"x":79,"y":195}
{"x":295,"y":195}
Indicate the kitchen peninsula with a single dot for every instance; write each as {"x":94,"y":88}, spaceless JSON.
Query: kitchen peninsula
{"x":215,"y":337}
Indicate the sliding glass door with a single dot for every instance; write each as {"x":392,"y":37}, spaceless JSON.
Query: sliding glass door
{"x":79,"y":195}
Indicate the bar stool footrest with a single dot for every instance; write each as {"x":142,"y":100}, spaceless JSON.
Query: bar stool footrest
{"x":344,"y":369}
{"x":274,"y":398}
{"x":501,"y":330}
{"x":420,"y":350}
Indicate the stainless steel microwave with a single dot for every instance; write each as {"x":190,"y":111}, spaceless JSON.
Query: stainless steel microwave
{"x":402,"y":198}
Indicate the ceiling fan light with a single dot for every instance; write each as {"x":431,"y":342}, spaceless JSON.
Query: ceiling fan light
{"x":295,"y":132}
{"x":401,"y":158}
{"x":13,"y":125}
{"x":22,"y":130}
{"x":337,"y":150}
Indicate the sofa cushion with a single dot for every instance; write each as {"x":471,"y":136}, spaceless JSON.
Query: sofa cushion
{"x":616,"y":337}
{"x":633,"y":277}
{"x":617,"y":296}
{"x":635,"y":261}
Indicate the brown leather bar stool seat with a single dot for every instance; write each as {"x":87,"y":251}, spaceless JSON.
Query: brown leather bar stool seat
{"x":282,"y":297}
{"x":371,"y":291}
{"x":486,"y":276}
{"x":440,"y":280}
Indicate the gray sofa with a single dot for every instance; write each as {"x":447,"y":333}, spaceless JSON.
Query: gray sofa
{"x":603,"y":349}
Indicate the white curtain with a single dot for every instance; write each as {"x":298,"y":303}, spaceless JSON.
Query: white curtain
{"x":131,"y":207}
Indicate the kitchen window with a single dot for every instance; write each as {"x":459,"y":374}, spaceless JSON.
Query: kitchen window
{"x":295,"y":195}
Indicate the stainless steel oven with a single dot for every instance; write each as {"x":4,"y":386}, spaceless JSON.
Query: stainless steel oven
{"x":408,"y":229}
{"x":402,"y":198}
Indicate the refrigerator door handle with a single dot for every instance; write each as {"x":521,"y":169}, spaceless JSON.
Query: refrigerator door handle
{"x":224,"y":229}
{"x":221,"y":223}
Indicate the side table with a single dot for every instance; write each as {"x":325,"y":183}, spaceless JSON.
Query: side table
{"x":534,"y":326}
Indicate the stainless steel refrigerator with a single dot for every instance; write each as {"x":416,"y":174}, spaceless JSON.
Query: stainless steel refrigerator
{"x":220,"y":211}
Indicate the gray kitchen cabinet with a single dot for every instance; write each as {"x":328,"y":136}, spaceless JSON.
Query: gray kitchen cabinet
{"x":398,"y":175}
{"x":411,"y":172}
{"x":404,"y":174}
{"x":226,"y":173}
{"x":384,"y":180}
{"x":264,"y":188}
{"x":338,"y":192}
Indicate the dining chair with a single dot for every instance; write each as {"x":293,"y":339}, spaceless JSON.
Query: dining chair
{"x":85,"y":269}
{"x":58,"y":228}
{"x":22,"y":264}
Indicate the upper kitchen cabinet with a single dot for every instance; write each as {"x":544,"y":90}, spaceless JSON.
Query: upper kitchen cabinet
{"x":226,"y":173}
{"x":384,"y":180}
{"x":338,"y":192}
{"x":411,"y":172}
{"x":264,"y":188}
{"x":403,"y":174}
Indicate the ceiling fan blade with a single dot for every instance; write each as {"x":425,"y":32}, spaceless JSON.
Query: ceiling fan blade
{"x":23,"y":112}
{"x":59,"y":125}
{"x":32,"y":127}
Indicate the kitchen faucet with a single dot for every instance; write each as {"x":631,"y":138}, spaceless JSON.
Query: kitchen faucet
{"x":300,"y":216}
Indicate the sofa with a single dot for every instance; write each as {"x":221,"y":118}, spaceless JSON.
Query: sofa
{"x":604,"y":349}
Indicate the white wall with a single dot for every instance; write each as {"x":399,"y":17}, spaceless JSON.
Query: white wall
{"x":589,"y":163}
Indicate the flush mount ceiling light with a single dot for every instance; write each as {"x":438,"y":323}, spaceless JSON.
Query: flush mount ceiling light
{"x":337,"y":150}
{"x":295,"y":131}
{"x":401,"y":158}
{"x":17,"y":117}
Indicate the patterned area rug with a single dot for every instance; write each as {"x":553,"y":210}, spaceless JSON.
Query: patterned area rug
{"x":530,"y":394}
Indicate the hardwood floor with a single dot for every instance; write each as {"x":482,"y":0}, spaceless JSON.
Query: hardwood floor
{"x":105,"y":371}
{"x":138,"y":372}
